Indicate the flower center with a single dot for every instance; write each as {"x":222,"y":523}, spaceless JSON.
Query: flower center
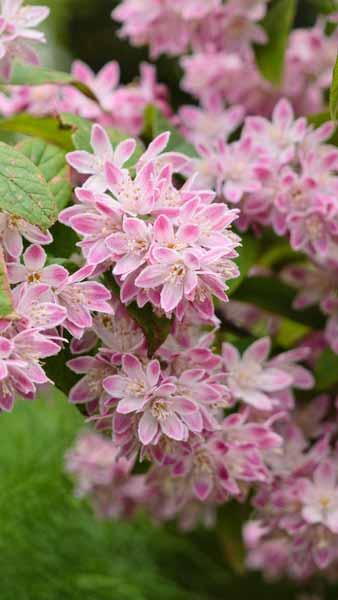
{"x":34,"y":277}
{"x":160,"y":410}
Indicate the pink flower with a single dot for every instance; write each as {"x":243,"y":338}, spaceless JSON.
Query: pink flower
{"x":142,"y":391}
{"x":131,"y":246}
{"x":320,"y":496}
{"x":94,"y":164}
{"x":34,"y":271}
{"x":90,"y":387}
{"x":103,"y":84}
{"x":79,"y":298}
{"x":17,"y":24}
{"x":33,"y":303}
{"x":96,"y":218}
{"x":281,"y":134}
{"x":249,"y":378}
{"x":175,"y":272}
{"x":13,"y":228}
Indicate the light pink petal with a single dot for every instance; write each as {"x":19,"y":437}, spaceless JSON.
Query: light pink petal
{"x":173,"y":427}
{"x":147,"y":428}
{"x":283,"y":114}
{"x":54,"y":275}
{"x":153,"y":372}
{"x":152,"y":276}
{"x":273,"y":379}
{"x":231,"y":356}
{"x":12,"y":241}
{"x":16,"y":272}
{"x":258,"y":351}
{"x":203,"y":486}
{"x":132,"y":366}
{"x":325,"y":475}
{"x":163,"y":230}
{"x":113,"y":175}
{"x":34,"y":257}
{"x":82,"y":364}
{"x":109,"y":75}
{"x":115,"y":386}
{"x":124,"y":151}
{"x":100,"y":143}
{"x":82,"y":72}
{"x":171,"y":295}
{"x":257,"y":399}
{"x":82,"y":161}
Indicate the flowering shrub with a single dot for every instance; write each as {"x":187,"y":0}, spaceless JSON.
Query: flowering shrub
{"x":176,"y":275}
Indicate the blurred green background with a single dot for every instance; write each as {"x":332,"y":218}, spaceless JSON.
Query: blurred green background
{"x":51,"y":545}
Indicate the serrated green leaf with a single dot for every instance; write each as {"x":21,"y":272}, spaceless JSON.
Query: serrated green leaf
{"x":156,"y":329}
{"x":248,"y":254}
{"x":26,"y":74}
{"x":334,"y":93}
{"x":277,"y":24}
{"x":271,"y":294}
{"x":6,"y":304}
{"x":81,"y":130}
{"x":155,"y":123}
{"x":326,"y":370}
{"x":48,"y":129}
{"x":51,"y":161}
{"x":24,"y":191}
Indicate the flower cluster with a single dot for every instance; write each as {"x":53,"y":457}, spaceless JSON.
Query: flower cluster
{"x":166,"y":370}
{"x":17,"y":25}
{"x":116,"y":105}
{"x":296,"y":517}
{"x":222,"y":67}
{"x":204,"y":420}
{"x":167,"y":246}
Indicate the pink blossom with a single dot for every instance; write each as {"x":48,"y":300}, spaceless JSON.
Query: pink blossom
{"x":17,"y":25}
{"x":250,"y":378}
{"x":320,"y":497}
{"x":13,"y":228}
{"x":34,"y":271}
{"x":79,"y":298}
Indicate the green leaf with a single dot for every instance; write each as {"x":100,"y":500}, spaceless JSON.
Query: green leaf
{"x":156,"y":329}
{"x":326,"y":370}
{"x":155,"y":123}
{"x":51,"y":161}
{"x":49,"y":129}
{"x":324,"y":7}
{"x":26,"y":74}
{"x":6,"y":304}
{"x":81,"y":130}
{"x":24,"y":191}
{"x":334,"y":93}
{"x":248,"y":254}
{"x":271,"y":294}
{"x":277,"y":24}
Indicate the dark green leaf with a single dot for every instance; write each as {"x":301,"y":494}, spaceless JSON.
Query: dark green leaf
{"x":26,"y":74}
{"x":248,"y":254}
{"x":51,"y":161}
{"x":81,"y":130}
{"x":46,"y":128}
{"x":324,"y":7}
{"x":156,"y":329}
{"x":326,"y":370}
{"x":24,"y":191}
{"x":277,"y":24}
{"x":271,"y":294}
{"x":6,"y":305}
{"x":334,"y":93}
{"x":156,"y":123}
